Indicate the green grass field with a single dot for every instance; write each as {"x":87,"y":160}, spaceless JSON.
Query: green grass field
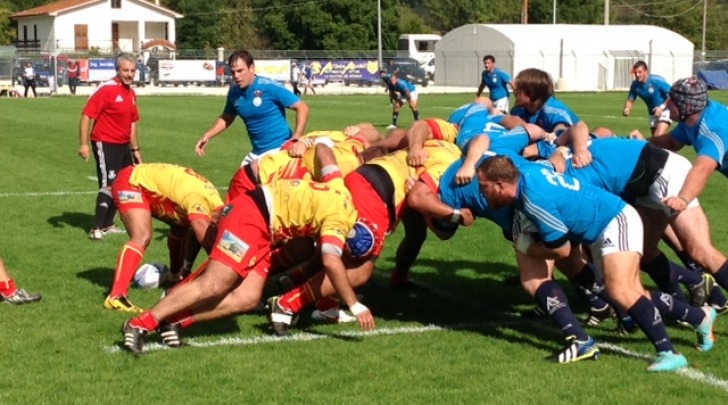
{"x":458,"y":341}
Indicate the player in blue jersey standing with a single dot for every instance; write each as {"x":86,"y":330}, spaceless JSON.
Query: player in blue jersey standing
{"x":497,"y":82}
{"x":703,"y":123}
{"x":262,"y":104}
{"x":554,"y":211}
{"x":654,"y":91}
{"x":401,"y":91}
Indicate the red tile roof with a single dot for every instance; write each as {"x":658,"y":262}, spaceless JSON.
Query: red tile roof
{"x":52,"y":8}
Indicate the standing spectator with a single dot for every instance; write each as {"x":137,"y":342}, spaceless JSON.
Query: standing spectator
{"x":497,"y":82}
{"x":113,"y":110}
{"x":72,"y":70}
{"x":142,"y":72}
{"x":308,"y":74}
{"x":295,"y":76}
{"x":153,"y":66}
{"x":407,"y":92}
{"x":655,"y":92}
{"x":261,"y":103}
{"x":29,"y":79}
{"x":12,"y":294}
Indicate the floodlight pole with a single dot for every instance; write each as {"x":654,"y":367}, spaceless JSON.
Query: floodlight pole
{"x":705,"y":21}
{"x":606,"y":11}
{"x":379,"y":34}
{"x":553,"y":20}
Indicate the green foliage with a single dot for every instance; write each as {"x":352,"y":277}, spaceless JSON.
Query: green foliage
{"x":7,"y":31}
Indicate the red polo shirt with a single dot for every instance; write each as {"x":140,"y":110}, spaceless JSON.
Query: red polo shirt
{"x":113,"y":107}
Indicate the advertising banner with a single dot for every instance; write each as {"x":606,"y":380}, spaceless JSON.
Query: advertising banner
{"x":99,"y":70}
{"x":187,"y":71}
{"x":278,"y":70}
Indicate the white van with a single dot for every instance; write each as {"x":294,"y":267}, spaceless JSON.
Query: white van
{"x":420,"y":47}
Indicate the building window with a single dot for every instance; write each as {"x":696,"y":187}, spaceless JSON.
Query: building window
{"x":25,"y":32}
{"x":35,"y":32}
{"x":115,"y":3}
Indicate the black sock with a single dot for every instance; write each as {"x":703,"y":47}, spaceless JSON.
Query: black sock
{"x":644,"y":313}
{"x":721,"y":277}
{"x":395,"y":118}
{"x":104,"y":202}
{"x":552,"y":298}
{"x":416,"y":114}
{"x":661,"y":273}
{"x":675,"y":309}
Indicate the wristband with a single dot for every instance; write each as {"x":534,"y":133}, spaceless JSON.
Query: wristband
{"x":455,"y":217}
{"x":358,"y":309}
{"x":324,"y":140}
{"x":135,"y":149}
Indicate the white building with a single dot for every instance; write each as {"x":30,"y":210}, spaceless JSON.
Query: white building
{"x":106,"y":25}
{"x":578,"y":57}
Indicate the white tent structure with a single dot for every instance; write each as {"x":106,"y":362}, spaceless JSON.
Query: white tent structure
{"x":578,"y":57}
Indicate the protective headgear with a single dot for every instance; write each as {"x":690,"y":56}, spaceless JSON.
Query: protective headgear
{"x":361,"y":239}
{"x":690,"y":96}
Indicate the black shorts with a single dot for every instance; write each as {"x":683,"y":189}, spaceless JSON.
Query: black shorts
{"x":110,"y":159}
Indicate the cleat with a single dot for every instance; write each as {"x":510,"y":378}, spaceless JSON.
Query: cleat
{"x":704,"y":331}
{"x":113,"y":230}
{"x":700,"y":292}
{"x":575,"y":350}
{"x":668,"y":361}
{"x":333,"y":315}
{"x":133,"y":338}
{"x":599,"y":315}
{"x":122,"y":304}
{"x":280,"y":318}
{"x":535,"y":313}
{"x":170,"y":333}
{"x":627,"y":326}
{"x":96,"y":234}
{"x":391,"y":126}
{"x":20,"y":297}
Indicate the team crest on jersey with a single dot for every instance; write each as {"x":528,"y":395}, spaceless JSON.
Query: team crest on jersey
{"x":495,"y":80}
{"x":112,"y":174}
{"x":232,"y":246}
{"x":126,"y":197}
{"x":119,"y":99}
{"x":257,"y":100}
{"x":650,"y":89}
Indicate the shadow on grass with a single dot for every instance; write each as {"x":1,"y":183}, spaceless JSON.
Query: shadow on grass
{"x":80,"y":220}
{"x":101,"y":276}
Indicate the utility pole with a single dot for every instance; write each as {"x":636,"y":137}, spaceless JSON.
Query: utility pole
{"x":606,"y":11}
{"x":524,"y":12}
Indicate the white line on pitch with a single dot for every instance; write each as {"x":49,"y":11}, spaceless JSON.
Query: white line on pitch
{"x":295,"y":337}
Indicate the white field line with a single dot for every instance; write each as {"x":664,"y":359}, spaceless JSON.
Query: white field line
{"x":690,"y":373}
{"x":294,"y":337}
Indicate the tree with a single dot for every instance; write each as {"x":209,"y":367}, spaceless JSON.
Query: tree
{"x":7,"y":31}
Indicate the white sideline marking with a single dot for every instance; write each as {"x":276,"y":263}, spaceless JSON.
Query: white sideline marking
{"x":688,"y":372}
{"x":295,"y":337}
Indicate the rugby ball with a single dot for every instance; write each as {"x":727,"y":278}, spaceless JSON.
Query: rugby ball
{"x":149,"y":275}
